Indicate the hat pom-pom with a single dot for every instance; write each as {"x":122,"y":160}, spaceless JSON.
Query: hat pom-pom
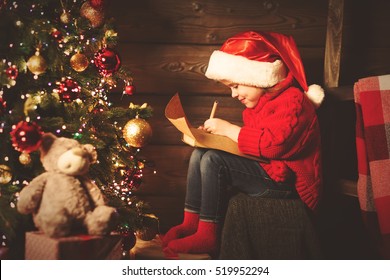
{"x":316,"y":94}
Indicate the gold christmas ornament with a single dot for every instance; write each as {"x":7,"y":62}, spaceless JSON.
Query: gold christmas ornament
{"x":5,"y":174}
{"x":65,"y":17}
{"x":147,"y":233}
{"x":37,"y":64}
{"x":150,"y":228}
{"x":25,"y":158}
{"x":137,"y":132}
{"x":95,"y":16}
{"x":79,"y":62}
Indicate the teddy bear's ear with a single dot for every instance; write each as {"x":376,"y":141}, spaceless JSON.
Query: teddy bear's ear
{"x":47,"y":140}
{"x":92,"y":152}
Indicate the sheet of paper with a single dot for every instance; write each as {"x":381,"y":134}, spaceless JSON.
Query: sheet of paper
{"x":175,"y":114}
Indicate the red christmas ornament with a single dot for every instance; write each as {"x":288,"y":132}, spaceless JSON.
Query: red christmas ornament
{"x":12,"y":72}
{"x":3,"y":106}
{"x":128,"y":240}
{"x":26,"y":136}
{"x":97,"y":4}
{"x":57,"y":35}
{"x":69,"y":90}
{"x":107,"y":61}
{"x":129,"y":89}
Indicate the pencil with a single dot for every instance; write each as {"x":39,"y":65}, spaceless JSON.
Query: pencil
{"x":212,"y":114}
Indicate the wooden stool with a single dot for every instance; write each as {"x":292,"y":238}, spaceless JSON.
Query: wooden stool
{"x":265,"y":228}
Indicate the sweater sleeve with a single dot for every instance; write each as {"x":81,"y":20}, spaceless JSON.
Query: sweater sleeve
{"x":277,"y":131}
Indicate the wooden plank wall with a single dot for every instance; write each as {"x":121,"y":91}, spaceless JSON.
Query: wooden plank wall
{"x":366,"y":44}
{"x":166,"y":44}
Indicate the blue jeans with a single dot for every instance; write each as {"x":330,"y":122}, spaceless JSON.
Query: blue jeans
{"x":213,"y":174}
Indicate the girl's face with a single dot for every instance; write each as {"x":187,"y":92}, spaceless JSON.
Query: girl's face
{"x":247,"y":95}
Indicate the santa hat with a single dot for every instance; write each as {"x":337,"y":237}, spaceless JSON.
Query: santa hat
{"x":261,"y":59}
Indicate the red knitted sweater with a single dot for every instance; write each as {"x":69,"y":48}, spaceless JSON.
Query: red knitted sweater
{"x":283,"y":128}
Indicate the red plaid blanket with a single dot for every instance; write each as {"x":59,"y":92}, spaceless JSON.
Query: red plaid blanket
{"x":372,"y":100}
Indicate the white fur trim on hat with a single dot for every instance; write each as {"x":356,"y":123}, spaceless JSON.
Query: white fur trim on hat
{"x":316,"y":94}
{"x":241,"y":70}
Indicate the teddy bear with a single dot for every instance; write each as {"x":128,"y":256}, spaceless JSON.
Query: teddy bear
{"x":63,"y":200}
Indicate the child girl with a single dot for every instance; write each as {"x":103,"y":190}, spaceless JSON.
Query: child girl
{"x":265,"y":73}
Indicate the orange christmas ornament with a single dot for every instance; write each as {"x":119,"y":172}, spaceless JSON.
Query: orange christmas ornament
{"x":79,"y":62}
{"x":95,"y":16}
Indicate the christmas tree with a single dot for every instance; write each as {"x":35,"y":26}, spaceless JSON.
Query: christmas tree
{"x":58,"y":65}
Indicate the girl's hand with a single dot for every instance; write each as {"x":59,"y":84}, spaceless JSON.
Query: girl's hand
{"x":221,"y":127}
{"x":216,"y":126}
